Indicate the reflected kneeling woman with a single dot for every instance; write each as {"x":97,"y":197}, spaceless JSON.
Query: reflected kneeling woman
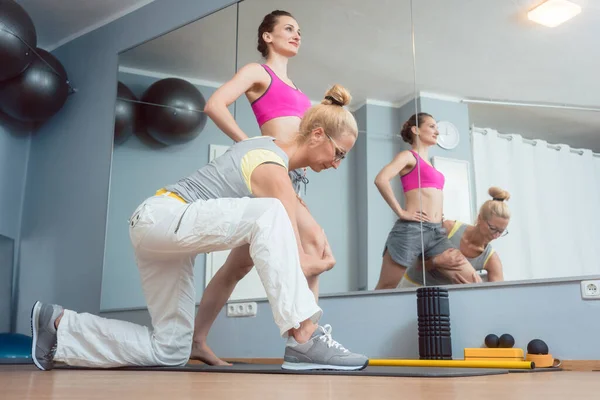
{"x":473,"y":242}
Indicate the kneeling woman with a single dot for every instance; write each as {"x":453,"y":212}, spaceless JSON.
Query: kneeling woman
{"x":244,"y":197}
{"x":473,"y":243}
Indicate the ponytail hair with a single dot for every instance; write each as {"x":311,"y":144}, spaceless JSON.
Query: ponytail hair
{"x":406,"y":132}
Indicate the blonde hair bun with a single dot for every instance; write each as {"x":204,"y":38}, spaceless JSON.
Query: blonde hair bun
{"x":498,"y":194}
{"x":335,"y":121}
{"x":337,"y":95}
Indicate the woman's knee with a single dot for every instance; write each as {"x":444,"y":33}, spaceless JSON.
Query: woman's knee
{"x":391,"y":272}
{"x":238,"y":264}
{"x":173,"y":355}
{"x":241,"y":271}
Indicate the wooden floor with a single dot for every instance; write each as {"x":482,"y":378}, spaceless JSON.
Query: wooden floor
{"x":26,"y":382}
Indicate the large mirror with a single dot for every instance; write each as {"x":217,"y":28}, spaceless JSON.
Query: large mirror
{"x":169,"y":123}
{"x":511,"y":90}
{"x":367,"y":50}
{"x":477,"y":154}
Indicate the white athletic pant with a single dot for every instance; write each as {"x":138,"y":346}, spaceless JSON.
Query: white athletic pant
{"x":167,"y":234}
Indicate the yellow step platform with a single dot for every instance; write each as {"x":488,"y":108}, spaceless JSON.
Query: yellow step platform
{"x":477,"y":352}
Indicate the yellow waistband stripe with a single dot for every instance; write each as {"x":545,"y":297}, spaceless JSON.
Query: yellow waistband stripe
{"x":170,"y":194}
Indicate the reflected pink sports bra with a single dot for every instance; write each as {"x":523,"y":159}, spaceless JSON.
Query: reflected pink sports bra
{"x":279,"y":100}
{"x":430,"y":177}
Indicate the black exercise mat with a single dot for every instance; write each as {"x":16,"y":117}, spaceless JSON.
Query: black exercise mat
{"x":555,"y":369}
{"x":15,"y":361}
{"x":423,"y":372}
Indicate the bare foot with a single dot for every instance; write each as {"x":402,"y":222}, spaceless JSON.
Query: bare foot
{"x":57,"y":320}
{"x":203,"y":353}
{"x":304,"y":333}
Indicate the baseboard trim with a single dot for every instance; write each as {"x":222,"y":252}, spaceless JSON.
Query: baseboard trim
{"x":567,"y":365}
{"x":581,"y":365}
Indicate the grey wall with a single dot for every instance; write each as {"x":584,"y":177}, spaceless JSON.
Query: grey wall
{"x":63,"y":235}
{"x":361,"y":187}
{"x":15,"y":139}
{"x":6,"y":267}
{"x":14,"y":151}
{"x":553,"y":312}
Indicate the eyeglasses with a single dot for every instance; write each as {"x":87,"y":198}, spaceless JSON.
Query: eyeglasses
{"x":496,"y":230}
{"x":340,"y":153}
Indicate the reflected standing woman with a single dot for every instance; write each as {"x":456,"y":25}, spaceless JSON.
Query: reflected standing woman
{"x":418,"y":231}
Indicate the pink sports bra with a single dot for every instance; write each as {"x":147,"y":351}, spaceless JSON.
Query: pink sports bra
{"x":430,"y":177}
{"x":279,"y":100}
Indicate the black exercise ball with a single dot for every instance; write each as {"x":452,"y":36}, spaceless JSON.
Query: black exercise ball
{"x":506,"y":341}
{"x":537,"y":346}
{"x":125,"y":113}
{"x":182,"y":119}
{"x":16,"y":29}
{"x":38,"y":93}
{"x":491,"y":340}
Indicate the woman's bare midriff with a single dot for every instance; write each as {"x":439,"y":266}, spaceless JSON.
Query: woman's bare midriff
{"x":430,"y":201}
{"x":282,"y":128}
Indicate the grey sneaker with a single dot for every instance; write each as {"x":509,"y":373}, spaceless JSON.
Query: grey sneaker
{"x":321,"y":352}
{"x":43,"y":331}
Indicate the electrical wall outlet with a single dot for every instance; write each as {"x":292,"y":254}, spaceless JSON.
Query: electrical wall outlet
{"x":590,"y":289}
{"x":241,"y":309}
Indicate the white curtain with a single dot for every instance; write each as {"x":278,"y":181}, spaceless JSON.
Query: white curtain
{"x":555,"y":199}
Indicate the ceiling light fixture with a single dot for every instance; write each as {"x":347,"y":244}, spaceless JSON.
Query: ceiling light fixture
{"x":552,"y":13}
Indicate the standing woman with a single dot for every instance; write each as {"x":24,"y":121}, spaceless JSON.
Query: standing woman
{"x":279,"y":107}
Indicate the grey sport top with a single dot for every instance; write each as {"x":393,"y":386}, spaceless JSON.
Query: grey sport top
{"x":229,"y":174}
{"x":415,"y":273}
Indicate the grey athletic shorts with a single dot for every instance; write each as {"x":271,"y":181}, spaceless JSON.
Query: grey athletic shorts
{"x":298,"y":176}
{"x":404,"y":241}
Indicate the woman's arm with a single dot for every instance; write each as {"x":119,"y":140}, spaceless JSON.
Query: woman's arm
{"x":383,"y":178}
{"x":494,"y":268}
{"x":245,"y":79}
{"x":272,"y":180}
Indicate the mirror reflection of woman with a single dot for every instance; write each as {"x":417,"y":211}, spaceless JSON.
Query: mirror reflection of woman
{"x":278,"y":106}
{"x":418,"y":230}
{"x":473,"y":243}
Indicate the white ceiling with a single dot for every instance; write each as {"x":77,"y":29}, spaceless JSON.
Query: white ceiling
{"x":59,"y":21}
{"x":464,"y":49}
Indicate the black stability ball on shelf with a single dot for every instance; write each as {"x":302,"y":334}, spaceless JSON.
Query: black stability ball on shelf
{"x":16,"y":32}
{"x":537,"y":346}
{"x":126,"y":111}
{"x":176,"y":115}
{"x":38,"y":93}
